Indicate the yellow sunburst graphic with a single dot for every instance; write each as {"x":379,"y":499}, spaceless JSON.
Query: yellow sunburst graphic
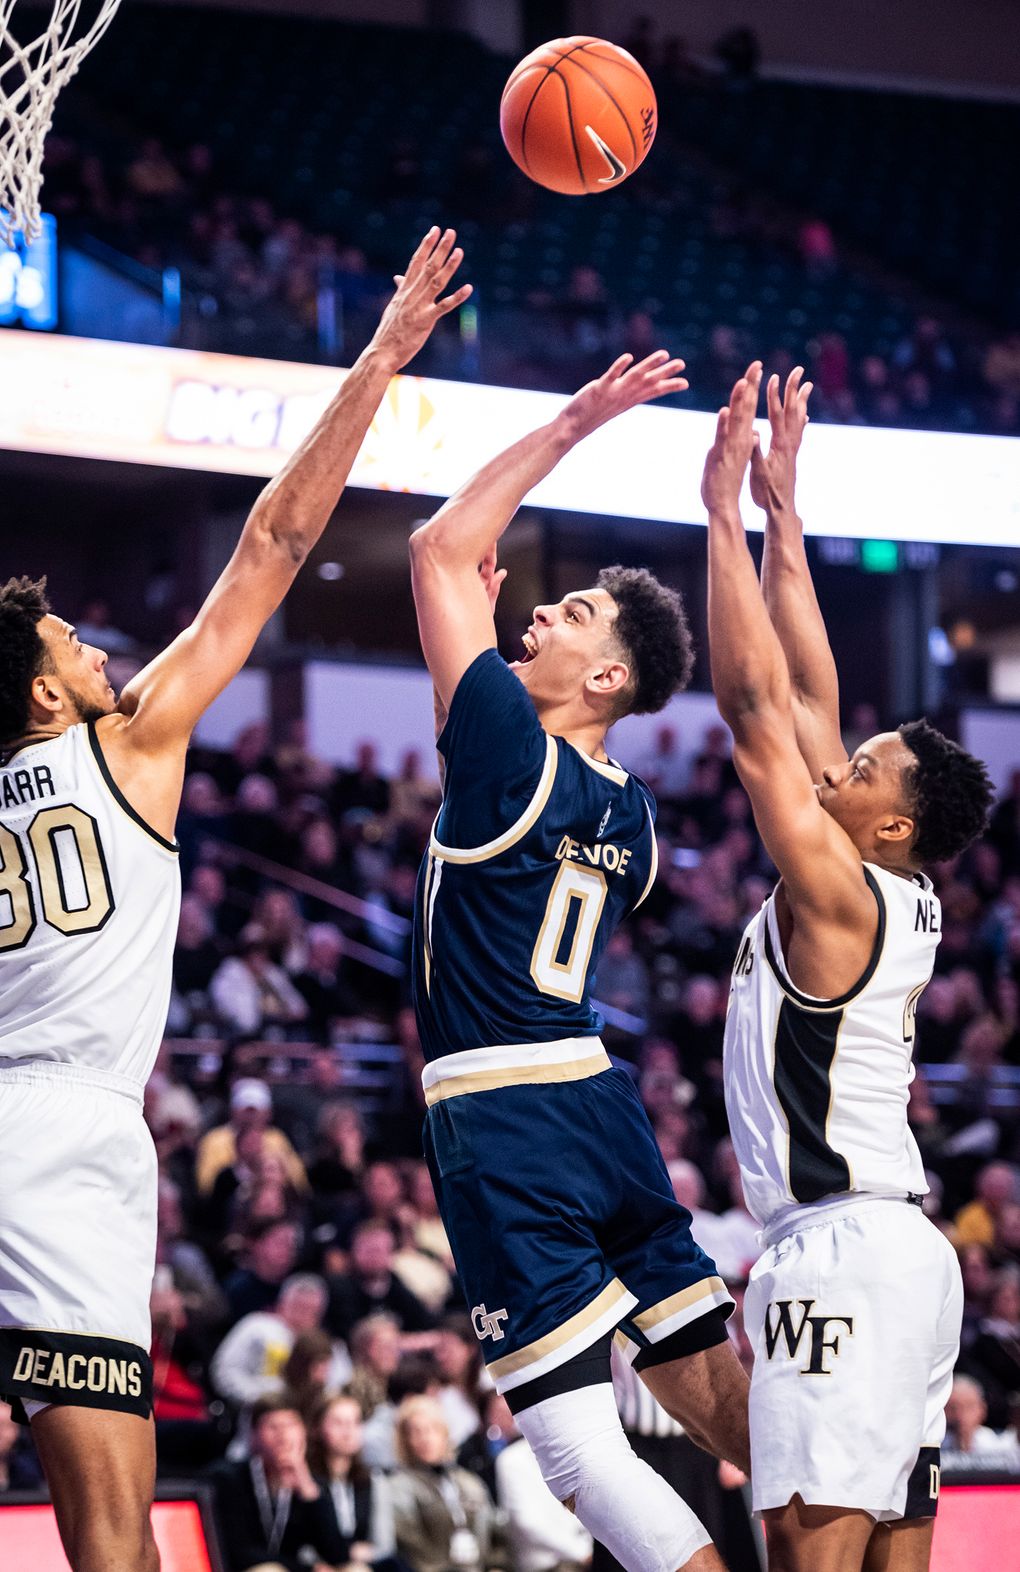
{"x":404,"y":441}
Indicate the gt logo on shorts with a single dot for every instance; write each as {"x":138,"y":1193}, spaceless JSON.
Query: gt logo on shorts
{"x":813,"y":1326}
{"x":487,"y":1323}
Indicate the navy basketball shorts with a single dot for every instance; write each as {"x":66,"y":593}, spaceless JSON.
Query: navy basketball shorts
{"x":560,"y":1212}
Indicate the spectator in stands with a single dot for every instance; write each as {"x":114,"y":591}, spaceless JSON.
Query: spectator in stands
{"x":663,"y":765}
{"x":362,"y":786}
{"x":978,"y":1282}
{"x":996,"y":1187}
{"x":19,"y":1466}
{"x":191,"y":1271}
{"x":442,"y":1514}
{"x":270,"y":1507}
{"x":250,"y":1361}
{"x":969,"y":1441}
{"x":310,"y":1374}
{"x":251,"y":1108}
{"x":251,"y":994}
{"x":994,"y":1355}
{"x":375,"y":1350}
{"x":371,"y":1284}
{"x":188,"y":1433}
{"x":325,"y":989}
{"x":269,"y":1256}
{"x":361,"y":1495}
{"x":458,"y":1358}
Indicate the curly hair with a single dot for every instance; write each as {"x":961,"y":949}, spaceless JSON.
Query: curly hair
{"x":651,"y":625}
{"x":23,"y":654}
{"x":951,"y":794}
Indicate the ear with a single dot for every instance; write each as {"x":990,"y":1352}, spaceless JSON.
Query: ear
{"x":898,"y":831}
{"x":45,"y":694}
{"x":609,"y":680}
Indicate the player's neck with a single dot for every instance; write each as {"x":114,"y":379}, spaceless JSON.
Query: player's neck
{"x":34,"y":733}
{"x":588,"y":736}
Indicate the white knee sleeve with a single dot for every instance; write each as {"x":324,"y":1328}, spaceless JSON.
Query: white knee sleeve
{"x":582,"y":1451}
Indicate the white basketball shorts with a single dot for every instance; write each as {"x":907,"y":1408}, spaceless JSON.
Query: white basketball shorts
{"x":77,"y":1239}
{"x":854,"y":1315}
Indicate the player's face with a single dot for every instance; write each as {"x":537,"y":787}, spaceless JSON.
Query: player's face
{"x":80,"y":670}
{"x":866,"y":795}
{"x":569,"y":650}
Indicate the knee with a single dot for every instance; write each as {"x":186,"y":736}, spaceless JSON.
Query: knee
{"x":113,"y":1546}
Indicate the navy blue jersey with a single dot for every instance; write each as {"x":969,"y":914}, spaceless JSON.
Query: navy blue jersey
{"x":537,"y":855}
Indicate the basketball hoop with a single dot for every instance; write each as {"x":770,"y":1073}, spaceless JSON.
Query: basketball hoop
{"x":31,"y":76}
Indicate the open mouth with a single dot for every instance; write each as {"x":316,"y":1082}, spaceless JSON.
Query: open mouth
{"x":530,"y":650}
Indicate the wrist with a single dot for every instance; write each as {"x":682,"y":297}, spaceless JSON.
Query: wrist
{"x":378,"y":356}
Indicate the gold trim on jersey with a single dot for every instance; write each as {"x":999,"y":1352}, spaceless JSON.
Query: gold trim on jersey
{"x":612,"y":772}
{"x":681,"y":1307}
{"x":612,"y":1295}
{"x":655,"y":861}
{"x":517,"y":831}
{"x":518,"y":1075}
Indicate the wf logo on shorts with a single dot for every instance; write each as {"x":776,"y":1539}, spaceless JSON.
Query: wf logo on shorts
{"x":811,"y":1326}
{"x":488,"y":1323}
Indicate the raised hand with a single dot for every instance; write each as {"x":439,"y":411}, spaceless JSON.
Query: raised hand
{"x":730,"y":453}
{"x":774,"y":474}
{"x":624,"y":386}
{"x":491,"y":576}
{"x":419,"y":302}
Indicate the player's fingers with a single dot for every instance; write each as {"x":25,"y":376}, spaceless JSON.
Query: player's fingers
{"x":449,"y":267}
{"x":805,"y":393}
{"x":441,"y":254}
{"x":398,"y":279}
{"x":451,"y":302}
{"x":722,"y":425}
{"x":671,"y":385}
{"x":775,"y":408}
{"x":424,"y":250}
{"x":668,"y":368}
{"x":651,"y":362}
{"x":617,"y":369}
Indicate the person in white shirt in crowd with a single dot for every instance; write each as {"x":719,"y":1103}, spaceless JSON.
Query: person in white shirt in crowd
{"x":361,"y":1495}
{"x":250,"y":992}
{"x":730,"y":1237}
{"x":457,"y":1353}
{"x":249,"y":1362}
{"x":970,"y":1443}
{"x":541,"y":1534}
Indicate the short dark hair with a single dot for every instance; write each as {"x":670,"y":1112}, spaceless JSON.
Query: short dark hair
{"x":950,"y":792}
{"x":652,"y":627}
{"x":23,"y":654}
{"x":274,"y":1403}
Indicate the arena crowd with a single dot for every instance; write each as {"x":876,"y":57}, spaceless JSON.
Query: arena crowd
{"x":310,"y":1342}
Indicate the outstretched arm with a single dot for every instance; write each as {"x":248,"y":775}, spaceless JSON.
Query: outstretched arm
{"x":786,"y":579}
{"x":454,"y":615}
{"x":820,"y":867}
{"x":166,"y":699}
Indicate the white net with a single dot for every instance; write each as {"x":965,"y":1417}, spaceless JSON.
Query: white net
{"x":31,"y":76}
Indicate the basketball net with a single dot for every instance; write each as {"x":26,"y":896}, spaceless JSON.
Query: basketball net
{"x":31,"y":76}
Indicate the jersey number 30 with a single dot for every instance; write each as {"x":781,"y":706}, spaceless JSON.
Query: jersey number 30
{"x":72,"y":878}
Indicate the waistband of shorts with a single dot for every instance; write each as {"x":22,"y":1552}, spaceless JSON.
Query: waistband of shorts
{"x":55,"y":1072}
{"x":795,"y":1218}
{"x":513,"y":1064}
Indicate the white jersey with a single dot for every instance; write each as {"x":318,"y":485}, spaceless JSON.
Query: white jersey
{"x":816,"y":1090}
{"x":89,"y":899}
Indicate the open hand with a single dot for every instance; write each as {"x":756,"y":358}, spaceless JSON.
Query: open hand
{"x":624,"y":386}
{"x":730,"y":453}
{"x":774,"y":474}
{"x":419,"y":303}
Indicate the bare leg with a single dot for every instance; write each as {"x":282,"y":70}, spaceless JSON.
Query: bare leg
{"x":900,"y":1547}
{"x":707,"y":1394}
{"x":706,"y":1560}
{"x":101,"y":1470}
{"x":804,"y":1538}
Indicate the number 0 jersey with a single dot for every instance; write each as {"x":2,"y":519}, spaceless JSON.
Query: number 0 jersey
{"x":816,"y":1091}
{"x":536,"y":856}
{"x":89,"y":898}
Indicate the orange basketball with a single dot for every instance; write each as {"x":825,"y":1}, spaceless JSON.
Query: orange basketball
{"x":578,"y":115}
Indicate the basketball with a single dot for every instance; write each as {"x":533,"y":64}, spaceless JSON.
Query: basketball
{"x":578,"y":115}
